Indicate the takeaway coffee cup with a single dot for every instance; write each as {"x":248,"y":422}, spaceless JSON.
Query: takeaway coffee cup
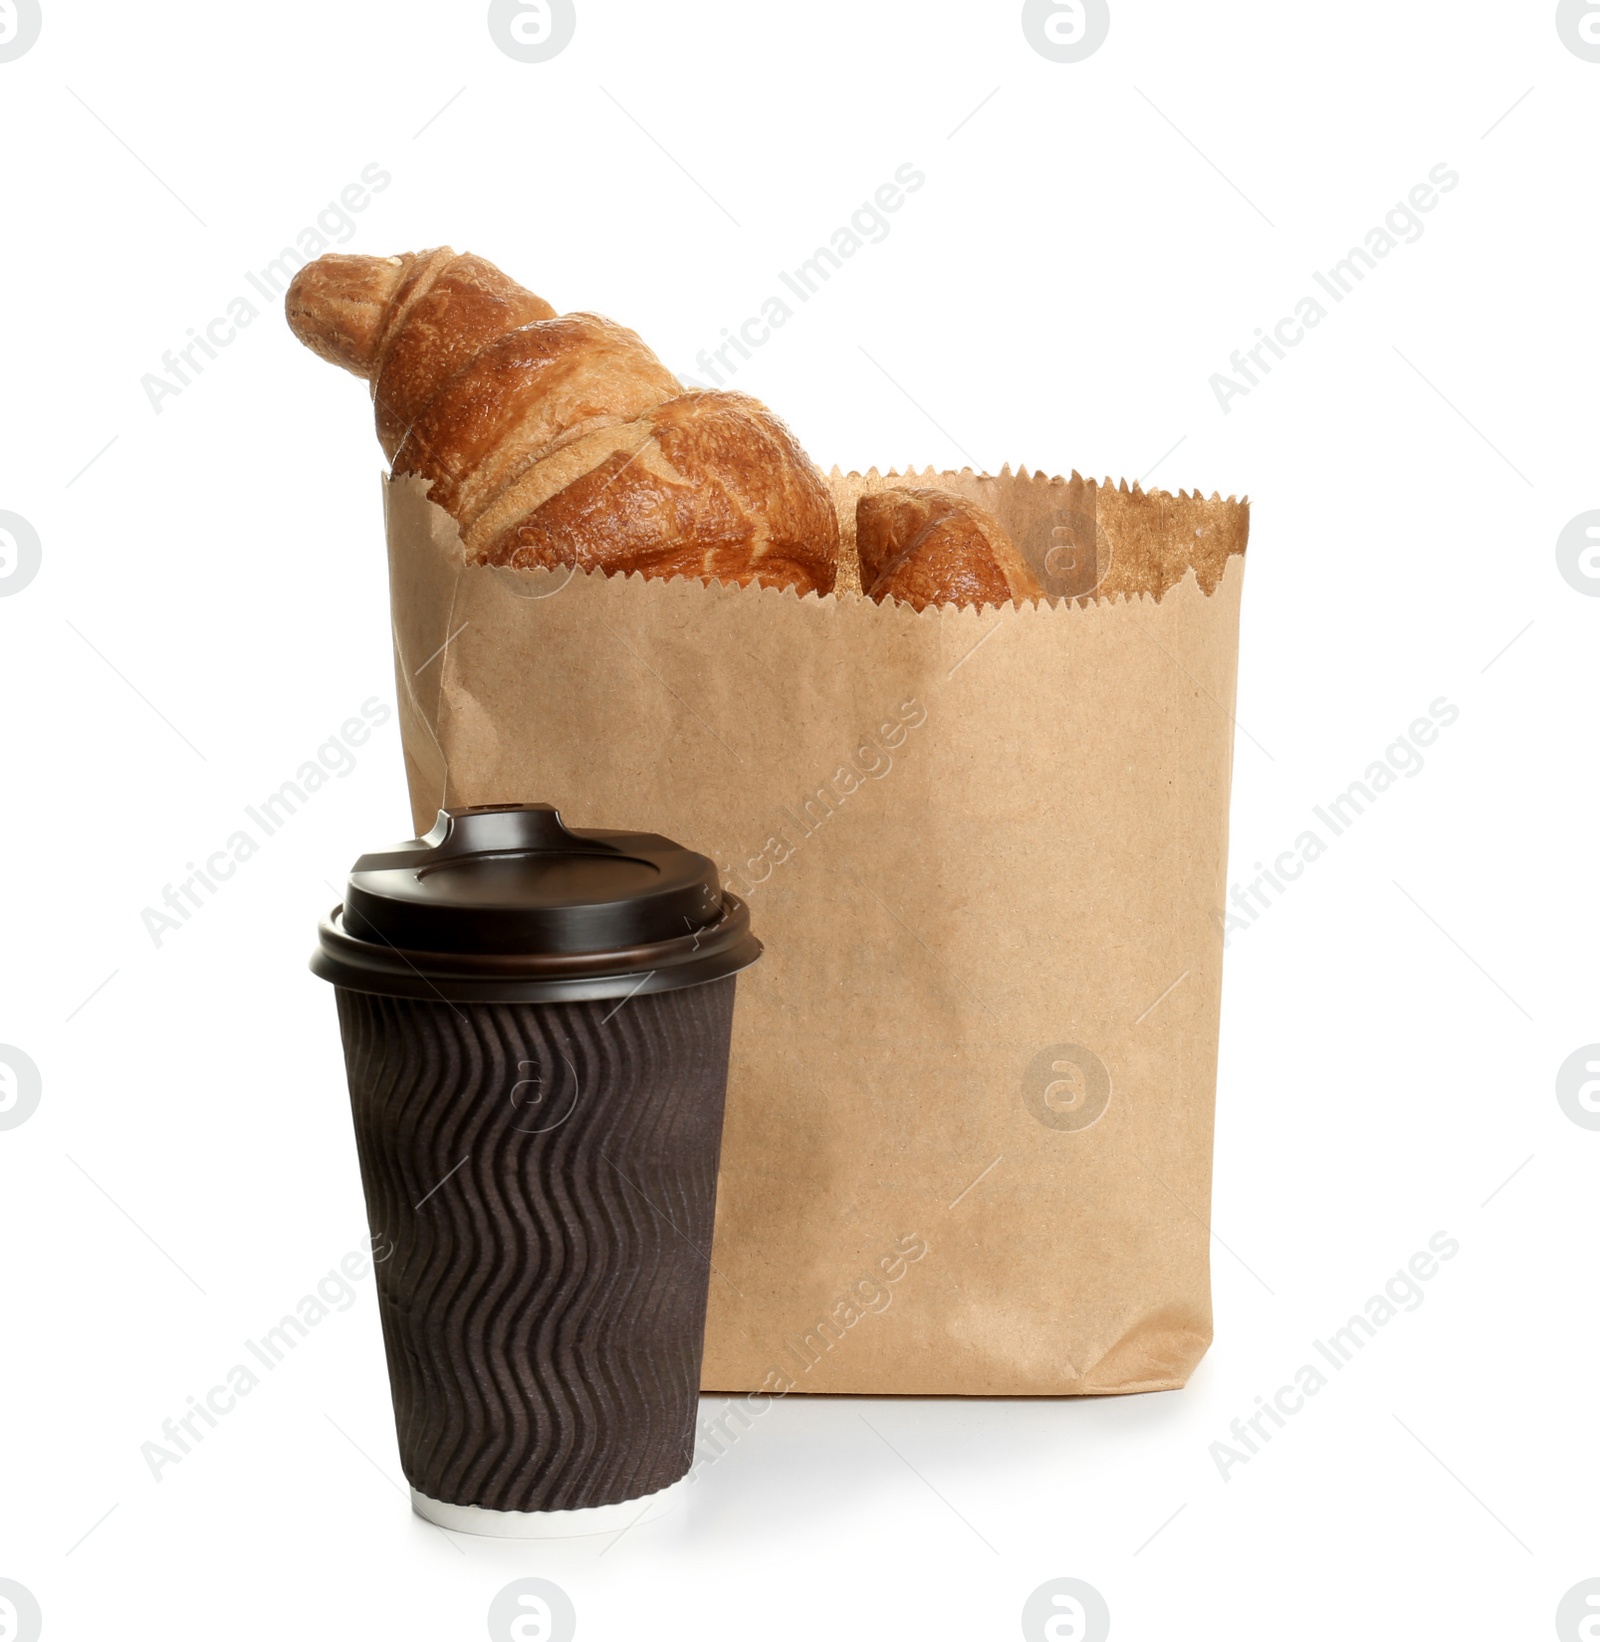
{"x":536,"y":1025}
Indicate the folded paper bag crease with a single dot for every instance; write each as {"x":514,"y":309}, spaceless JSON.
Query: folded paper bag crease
{"x":986,"y":851}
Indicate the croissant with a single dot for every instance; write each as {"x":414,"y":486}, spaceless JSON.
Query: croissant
{"x":561,"y":440}
{"x":927,"y":547}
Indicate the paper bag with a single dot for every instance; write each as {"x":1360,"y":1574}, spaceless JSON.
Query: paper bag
{"x":968,"y":1136}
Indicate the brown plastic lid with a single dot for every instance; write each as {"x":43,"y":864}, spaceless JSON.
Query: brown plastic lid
{"x":503,"y":903}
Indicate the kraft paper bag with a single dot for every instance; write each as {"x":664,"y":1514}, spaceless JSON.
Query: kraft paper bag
{"x":969,"y":1123}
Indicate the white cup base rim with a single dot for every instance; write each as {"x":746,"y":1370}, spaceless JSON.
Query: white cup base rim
{"x":592,"y":1519}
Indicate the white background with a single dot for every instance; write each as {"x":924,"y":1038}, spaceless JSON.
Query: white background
{"x":1091,"y":245}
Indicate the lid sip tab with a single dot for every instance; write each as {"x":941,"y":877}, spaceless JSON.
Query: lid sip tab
{"x":505,"y":903}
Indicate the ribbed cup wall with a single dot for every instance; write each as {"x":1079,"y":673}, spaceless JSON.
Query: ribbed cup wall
{"x":546,"y":1174}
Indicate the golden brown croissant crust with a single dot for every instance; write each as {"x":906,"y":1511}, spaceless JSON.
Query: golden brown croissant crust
{"x":927,"y":547}
{"x":562,"y":440}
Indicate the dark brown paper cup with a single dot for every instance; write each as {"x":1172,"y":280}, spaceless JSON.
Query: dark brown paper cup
{"x":540,"y":1170}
